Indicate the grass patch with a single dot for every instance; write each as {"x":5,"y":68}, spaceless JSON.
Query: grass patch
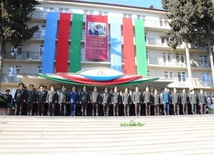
{"x":132,"y":123}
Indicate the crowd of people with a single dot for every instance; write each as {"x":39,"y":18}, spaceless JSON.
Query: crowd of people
{"x":109,"y":102}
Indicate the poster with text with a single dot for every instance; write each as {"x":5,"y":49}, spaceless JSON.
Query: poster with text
{"x":96,"y":38}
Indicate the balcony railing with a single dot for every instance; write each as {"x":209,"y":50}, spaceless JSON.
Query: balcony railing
{"x":39,"y":14}
{"x":156,"y":23}
{"x":200,"y":64}
{"x":195,"y":81}
{"x":27,"y":55}
{"x":38,"y":35}
{"x":10,"y":77}
{"x":159,"y":61}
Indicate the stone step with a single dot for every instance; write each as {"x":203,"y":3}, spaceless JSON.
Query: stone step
{"x":103,"y":135}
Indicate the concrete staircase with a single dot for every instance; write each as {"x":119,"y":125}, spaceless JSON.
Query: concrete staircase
{"x":32,"y":135}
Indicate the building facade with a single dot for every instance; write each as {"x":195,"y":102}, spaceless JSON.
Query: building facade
{"x":134,"y":45}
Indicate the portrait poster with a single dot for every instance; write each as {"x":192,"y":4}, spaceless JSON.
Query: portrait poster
{"x":96,"y":46}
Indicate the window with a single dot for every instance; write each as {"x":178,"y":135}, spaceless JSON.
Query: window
{"x":17,"y":69}
{"x":19,"y":50}
{"x":103,"y":13}
{"x":203,"y":60}
{"x":163,"y":22}
{"x":182,"y":76}
{"x":39,"y":69}
{"x":64,"y":10}
{"x":168,"y":75}
{"x":147,"y":57}
{"x":126,"y":15}
{"x":167,"y":57}
{"x":41,"y":48}
{"x":148,"y":73}
{"x":180,"y":58}
{"x":88,"y":12}
{"x":141,"y":17}
{"x":47,"y":9}
{"x":205,"y":77}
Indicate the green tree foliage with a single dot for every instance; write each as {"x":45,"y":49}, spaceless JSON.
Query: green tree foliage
{"x":14,"y":16}
{"x":191,"y":21}
{"x":14,"y":28}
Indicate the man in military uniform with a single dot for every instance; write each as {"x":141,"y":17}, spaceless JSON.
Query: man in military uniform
{"x":126,"y":99}
{"x":184,"y":102}
{"x":63,"y":100}
{"x":137,"y":99}
{"x":194,"y":102}
{"x":8,"y":98}
{"x":147,"y":101}
{"x":85,"y":101}
{"x":95,"y":100}
{"x":31,"y":101}
{"x":175,"y":102}
{"x":52,"y":100}
{"x":115,"y":99}
{"x":105,"y":99}
{"x":156,"y":98}
{"x":19,"y":99}
{"x":41,"y":100}
{"x":202,"y":102}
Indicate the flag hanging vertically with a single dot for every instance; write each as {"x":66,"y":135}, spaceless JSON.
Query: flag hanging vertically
{"x":96,"y":37}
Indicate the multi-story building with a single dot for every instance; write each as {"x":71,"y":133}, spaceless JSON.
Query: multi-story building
{"x":152,"y":57}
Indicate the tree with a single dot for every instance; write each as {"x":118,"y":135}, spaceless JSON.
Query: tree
{"x":14,"y":29}
{"x":191,"y":21}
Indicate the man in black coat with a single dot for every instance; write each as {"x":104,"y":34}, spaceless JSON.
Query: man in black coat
{"x":41,"y":100}
{"x":137,"y":99}
{"x":85,"y":101}
{"x":31,"y":101}
{"x":20,"y":99}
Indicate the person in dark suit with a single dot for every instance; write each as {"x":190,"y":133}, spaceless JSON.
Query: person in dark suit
{"x":41,"y":100}
{"x":95,"y":100}
{"x":115,"y":101}
{"x":194,"y":102}
{"x":147,"y":101}
{"x":85,"y":101}
{"x":156,"y":98}
{"x":31,"y":101}
{"x":137,"y":99}
{"x":184,"y":101}
{"x":63,"y":100}
{"x":105,"y":99}
{"x":52,"y":100}
{"x":8,"y":98}
{"x":202,"y":102}
{"x":175,"y":102}
{"x":126,"y":98}
{"x":19,"y":99}
{"x":93,"y":30}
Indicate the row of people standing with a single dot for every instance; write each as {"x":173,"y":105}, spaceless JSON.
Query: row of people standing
{"x":109,"y":103}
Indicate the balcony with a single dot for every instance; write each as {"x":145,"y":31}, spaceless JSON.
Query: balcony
{"x":157,"y":23}
{"x":39,"y":14}
{"x":10,"y":77}
{"x":156,"y":41}
{"x":39,"y":35}
{"x":197,"y":83}
{"x":200,"y":64}
{"x":159,"y":61}
{"x":25,"y":55}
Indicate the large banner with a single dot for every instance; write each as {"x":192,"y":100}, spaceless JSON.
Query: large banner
{"x":96,"y":47}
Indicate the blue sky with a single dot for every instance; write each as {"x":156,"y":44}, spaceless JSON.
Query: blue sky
{"x":141,"y":3}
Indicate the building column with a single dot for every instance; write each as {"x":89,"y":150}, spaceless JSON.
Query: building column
{"x":189,"y":66}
